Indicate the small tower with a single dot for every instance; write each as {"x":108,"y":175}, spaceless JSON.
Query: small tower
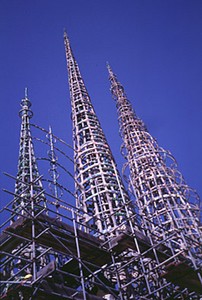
{"x":161,"y":193}
{"x":99,"y":189}
{"x":28,"y":182}
{"x":28,"y":202}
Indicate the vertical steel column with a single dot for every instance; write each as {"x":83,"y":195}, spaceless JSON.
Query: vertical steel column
{"x":33,"y":237}
{"x":79,"y":255}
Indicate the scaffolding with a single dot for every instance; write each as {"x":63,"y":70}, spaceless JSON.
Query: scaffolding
{"x":47,"y":250}
{"x":95,"y":242}
{"x":44,"y":252}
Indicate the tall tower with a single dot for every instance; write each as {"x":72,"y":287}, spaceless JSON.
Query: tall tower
{"x":100,"y":249}
{"x":161,"y":193}
{"x":100,"y":193}
{"x":101,"y":197}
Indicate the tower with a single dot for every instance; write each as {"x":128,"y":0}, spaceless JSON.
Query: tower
{"x":99,"y":248}
{"x":162,"y":196}
{"x":28,"y":183}
{"x":98,"y":186}
{"x":100,"y":194}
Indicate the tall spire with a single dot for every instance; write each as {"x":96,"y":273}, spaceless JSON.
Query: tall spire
{"x":28,"y":183}
{"x":99,"y":190}
{"x":162,"y":195}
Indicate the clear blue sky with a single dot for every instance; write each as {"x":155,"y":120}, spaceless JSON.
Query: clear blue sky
{"x":154,"y":47}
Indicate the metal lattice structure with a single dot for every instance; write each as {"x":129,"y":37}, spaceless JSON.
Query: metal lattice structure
{"x":99,"y":189}
{"x":96,"y":243}
{"x":166,"y":204}
{"x":27,"y":166}
{"x":143,"y":274}
{"x":44,"y":253}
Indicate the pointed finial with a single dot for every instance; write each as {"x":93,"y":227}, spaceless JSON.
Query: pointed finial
{"x":26,"y":93}
{"x":107,"y":64}
{"x":65,"y":33}
{"x":26,"y":104}
{"x":50,"y":129}
{"x":66,"y":38}
{"x":109,"y":68}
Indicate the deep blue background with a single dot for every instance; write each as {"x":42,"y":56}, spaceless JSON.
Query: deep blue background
{"x":154,"y":47}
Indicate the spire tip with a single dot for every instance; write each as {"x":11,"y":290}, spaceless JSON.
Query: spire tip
{"x":109,"y":68}
{"x":26,"y":92}
{"x":26,"y":104}
{"x":65,"y":33}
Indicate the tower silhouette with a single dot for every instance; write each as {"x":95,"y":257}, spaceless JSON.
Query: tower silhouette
{"x":107,"y":245}
{"x":162,"y":196}
{"x":27,"y":166}
{"x":98,"y":185}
